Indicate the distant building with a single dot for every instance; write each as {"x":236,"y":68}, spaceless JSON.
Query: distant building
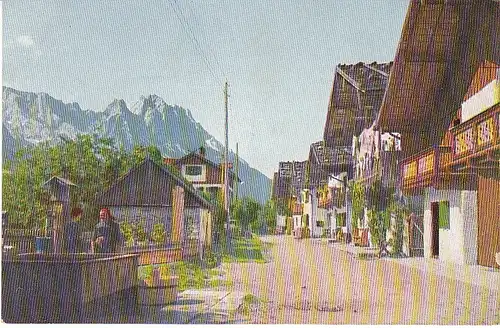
{"x":150,"y":194}
{"x":205,"y":175}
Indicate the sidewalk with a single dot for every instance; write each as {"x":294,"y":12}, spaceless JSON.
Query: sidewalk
{"x":477,"y":275}
{"x":356,"y":251}
{"x":471,"y":274}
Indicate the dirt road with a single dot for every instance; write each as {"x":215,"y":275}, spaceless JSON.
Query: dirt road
{"x":308,"y":281}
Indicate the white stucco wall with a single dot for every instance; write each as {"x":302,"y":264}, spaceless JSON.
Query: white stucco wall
{"x":281,"y":221}
{"x":297,"y":221}
{"x":469,"y":210}
{"x":308,"y":210}
{"x":315,"y":231}
{"x":482,"y":100}
{"x":459,"y":242}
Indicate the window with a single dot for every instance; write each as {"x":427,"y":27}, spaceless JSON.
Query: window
{"x":444,"y":215}
{"x":193,"y":169}
{"x":320,"y":224}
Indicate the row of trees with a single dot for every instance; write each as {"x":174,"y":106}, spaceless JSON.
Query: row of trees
{"x":94,"y":163}
{"x":252,"y":216}
{"x":91,"y":162}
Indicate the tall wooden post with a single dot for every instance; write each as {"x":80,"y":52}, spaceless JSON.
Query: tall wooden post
{"x":235,"y":182}
{"x":177,"y":214}
{"x":226,"y":168}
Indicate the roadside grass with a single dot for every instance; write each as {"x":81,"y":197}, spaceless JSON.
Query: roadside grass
{"x":247,"y":250}
{"x":250,"y":302}
{"x":191,"y":275}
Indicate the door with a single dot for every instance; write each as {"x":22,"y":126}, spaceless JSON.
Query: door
{"x":488,"y":221}
{"x":435,"y":229}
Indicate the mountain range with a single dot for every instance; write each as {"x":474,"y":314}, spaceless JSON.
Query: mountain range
{"x":29,"y":118}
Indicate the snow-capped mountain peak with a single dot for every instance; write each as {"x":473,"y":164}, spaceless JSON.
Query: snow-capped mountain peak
{"x":29,"y":118}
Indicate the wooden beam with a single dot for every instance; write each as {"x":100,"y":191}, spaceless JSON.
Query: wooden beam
{"x":349,"y":79}
{"x":376,"y":70}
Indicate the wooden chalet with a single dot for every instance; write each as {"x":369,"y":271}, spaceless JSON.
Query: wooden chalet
{"x":356,"y":96}
{"x":288,"y":188}
{"x":443,"y":100}
{"x":205,"y":175}
{"x":150,"y":193}
{"x":325,"y":161}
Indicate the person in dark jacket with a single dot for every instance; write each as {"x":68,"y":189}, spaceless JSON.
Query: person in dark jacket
{"x":107,"y":236}
{"x":116,"y":235}
{"x":101,"y":238}
{"x":73,"y":232}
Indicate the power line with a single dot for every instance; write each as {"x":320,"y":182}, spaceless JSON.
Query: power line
{"x":219,"y":66}
{"x":187,"y":28}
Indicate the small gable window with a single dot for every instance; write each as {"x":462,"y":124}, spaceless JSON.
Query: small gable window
{"x":194,"y":170}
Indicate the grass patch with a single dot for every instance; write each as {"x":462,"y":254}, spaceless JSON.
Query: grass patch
{"x":191,"y":275}
{"x":249,"y":302}
{"x":246,"y":250}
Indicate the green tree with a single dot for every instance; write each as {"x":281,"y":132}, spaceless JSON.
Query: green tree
{"x":253,"y":209}
{"x":139,"y":153}
{"x":358,"y":203}
{"x":247,"y":214}
{"x":270,"y":213}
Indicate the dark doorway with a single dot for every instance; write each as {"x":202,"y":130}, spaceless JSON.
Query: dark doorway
{"x":435,"y":229}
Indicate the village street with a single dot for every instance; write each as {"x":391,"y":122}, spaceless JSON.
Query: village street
{"x":309,"y":281}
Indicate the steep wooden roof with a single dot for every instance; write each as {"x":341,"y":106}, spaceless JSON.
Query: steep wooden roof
{"x":355,"y":99}
{"x":149,"y":184}
{"x":442,"y":44}
{"x":290,"y":178}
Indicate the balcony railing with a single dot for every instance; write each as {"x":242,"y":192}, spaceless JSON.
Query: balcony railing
{"x":476,"y":137}
{"x":424,"y":168}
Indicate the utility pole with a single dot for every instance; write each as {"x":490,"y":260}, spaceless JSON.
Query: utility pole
{"x":235,"y":182}
{"x":226,"y":168}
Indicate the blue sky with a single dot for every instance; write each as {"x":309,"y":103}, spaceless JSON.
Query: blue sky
{"x":278,"y":57}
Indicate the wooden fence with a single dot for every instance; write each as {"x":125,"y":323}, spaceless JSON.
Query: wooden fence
{"x":18,"y":241}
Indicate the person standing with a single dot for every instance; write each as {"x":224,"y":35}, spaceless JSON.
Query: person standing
{"x":73,"y":232}
{"x":101,"y":237}
{"x":116,"y":235}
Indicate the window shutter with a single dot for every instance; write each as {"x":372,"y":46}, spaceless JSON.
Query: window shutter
{"x":444,"y":215}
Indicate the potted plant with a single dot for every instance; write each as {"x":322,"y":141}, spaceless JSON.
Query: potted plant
{"x":156,"y":289}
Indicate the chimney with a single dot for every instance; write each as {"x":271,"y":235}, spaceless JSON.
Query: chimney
{"x":202,"y":151}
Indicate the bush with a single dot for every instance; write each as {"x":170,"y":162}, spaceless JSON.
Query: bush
{"x":158,"y":235}
{"x":211,"y":260}
{"x":140,"y":233}
{"x":128,"y":233}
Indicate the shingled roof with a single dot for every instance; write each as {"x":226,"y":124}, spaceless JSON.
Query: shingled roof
{"x":355,"y":100}
{"x":149,"y":184}
{"x":442,"y":44}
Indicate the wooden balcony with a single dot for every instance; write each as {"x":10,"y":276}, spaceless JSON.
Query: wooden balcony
{"x":475,"y":143}
{"x":384,"y":168}
{"x":425,"y":168}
